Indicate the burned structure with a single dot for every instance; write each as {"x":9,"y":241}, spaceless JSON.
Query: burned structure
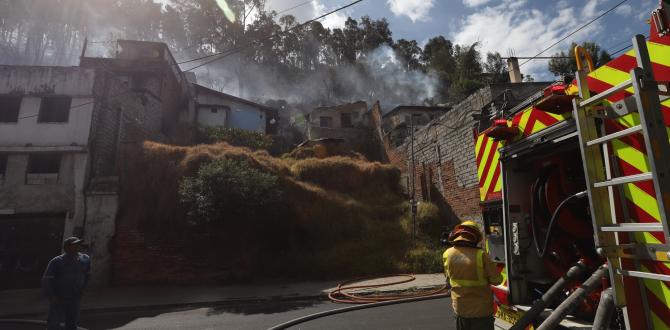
{"x":350,"y":123}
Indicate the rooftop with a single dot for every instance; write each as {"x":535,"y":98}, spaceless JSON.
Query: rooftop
{"x":417,"y":107}
{"x":233,"y":98}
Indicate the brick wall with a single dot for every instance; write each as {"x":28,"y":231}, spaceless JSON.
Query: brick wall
{"x":121,"y":116}
{"x":445,"y":170}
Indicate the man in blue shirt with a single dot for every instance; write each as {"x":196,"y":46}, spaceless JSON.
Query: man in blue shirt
{"x":64,"y":281}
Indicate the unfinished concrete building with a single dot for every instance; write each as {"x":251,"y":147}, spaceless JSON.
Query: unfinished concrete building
{"x":349,"y":123}
{"x":62,"y":130}
{"x":396,"y":123}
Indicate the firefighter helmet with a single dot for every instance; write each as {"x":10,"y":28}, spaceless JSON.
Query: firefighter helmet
{"x":468,"y":231}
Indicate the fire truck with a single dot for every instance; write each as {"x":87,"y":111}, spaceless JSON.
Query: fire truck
{"x":575,"y":194}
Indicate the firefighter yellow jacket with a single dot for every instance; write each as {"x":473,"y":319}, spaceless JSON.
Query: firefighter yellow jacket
{"x":469,"y":272}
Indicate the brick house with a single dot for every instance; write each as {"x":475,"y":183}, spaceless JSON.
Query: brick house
{"x":444,"y":170}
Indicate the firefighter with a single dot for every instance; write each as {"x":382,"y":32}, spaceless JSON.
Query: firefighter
{"x":469,"y":271}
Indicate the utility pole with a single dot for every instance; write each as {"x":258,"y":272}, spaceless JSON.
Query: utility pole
{"x":413,"y":204}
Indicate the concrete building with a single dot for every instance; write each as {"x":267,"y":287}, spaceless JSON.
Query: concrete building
{"x":62,"y":132}
{"x":216,"y":108}
{"x":349,"y":123}
{"x":396,"y":122}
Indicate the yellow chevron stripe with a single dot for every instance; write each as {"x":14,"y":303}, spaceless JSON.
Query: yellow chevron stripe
{"x":659,"y":53}
{"x":629,"y":120}
{"x":643,"y":200}
{"x":611,"y":76}
{"x":489,"y":176}
{"x":660,"y":290}
{"x":485,"y":156}
{"x":662,"y":293}
{"x":646,"y":238}
{"x":478,"y":143}
{"x":498,"y":186}
{"x":630,"y":155}
{"x":538,"y":126}
{"x":657,"y":322}
{"x":525,"y":116}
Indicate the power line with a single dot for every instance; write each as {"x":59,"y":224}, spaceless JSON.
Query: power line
{"x":74,"y":107}
{"x":294,"y":7}
{"x":237,"y":49}
{"x":575,"y":31}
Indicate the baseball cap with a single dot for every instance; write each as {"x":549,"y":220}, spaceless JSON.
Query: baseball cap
{"x":72,"y":240}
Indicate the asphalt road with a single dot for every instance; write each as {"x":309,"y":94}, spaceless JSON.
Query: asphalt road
{"x":431,"y":314}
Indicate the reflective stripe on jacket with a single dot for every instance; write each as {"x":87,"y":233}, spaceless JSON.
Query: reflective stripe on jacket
{"x":470,"y":271}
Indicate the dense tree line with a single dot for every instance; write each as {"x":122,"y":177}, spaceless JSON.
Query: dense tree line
{"x":309,"y":65}
{"x":346,"y":63}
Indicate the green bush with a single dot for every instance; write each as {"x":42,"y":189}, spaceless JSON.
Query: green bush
{"x":226,"y":190}
{"x":430,"y":222}
{"x":422,"y":259}
{"x":235,"y":136}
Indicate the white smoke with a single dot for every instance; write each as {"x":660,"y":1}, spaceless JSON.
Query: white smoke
{"x":378,"y":75}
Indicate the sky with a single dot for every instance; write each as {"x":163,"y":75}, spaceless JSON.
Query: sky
{"x":519,"y":27}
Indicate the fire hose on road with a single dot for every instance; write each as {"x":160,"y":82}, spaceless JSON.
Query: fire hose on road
{"x":339,"y":295}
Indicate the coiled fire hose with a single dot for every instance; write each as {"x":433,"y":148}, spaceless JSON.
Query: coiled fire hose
{"x":364,"y":302}
{"x":341,"y":294}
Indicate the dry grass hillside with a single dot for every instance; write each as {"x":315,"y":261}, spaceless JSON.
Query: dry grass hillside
{"x":336,"y":217}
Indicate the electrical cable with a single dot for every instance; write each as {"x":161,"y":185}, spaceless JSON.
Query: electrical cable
{"x":294,"y":7}
{"x":237,"y":49}
{"x":542,"y":252}
{"x":625,"y":48}
{"x":575,"y":31}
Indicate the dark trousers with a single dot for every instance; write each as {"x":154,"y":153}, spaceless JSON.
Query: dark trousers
{"x":65,"y":310}
{"x":475,"y":323}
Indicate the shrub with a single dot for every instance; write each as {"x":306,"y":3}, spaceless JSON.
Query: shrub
{"x":235,"y":136}
{"x":430,"y":222}
{"x":422,"y":259}
{"x":226,"y":190}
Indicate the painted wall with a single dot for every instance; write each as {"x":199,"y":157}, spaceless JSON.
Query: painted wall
{"x":356,"y":109}
{"x":66,"y":194}
{"x":33,"y":83}
{"x":208,"y":118}
{"x":247,"y":117}
{"x":241,"y":115}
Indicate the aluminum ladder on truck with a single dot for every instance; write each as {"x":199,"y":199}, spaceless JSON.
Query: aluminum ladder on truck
{"x":600,"y":183}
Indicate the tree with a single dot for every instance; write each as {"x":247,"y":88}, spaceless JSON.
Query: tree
{"x":438,"y":58}
{"x":468,"y":74}
{"x":495,"y":68}
{"x":410,"y":53}
{"x":374,"y":33}
{"x":564,"y":63}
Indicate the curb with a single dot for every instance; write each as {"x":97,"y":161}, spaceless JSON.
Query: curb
{"x":175,"y":306}
{"x":320,"y":297}
{"x":30,"y":322}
